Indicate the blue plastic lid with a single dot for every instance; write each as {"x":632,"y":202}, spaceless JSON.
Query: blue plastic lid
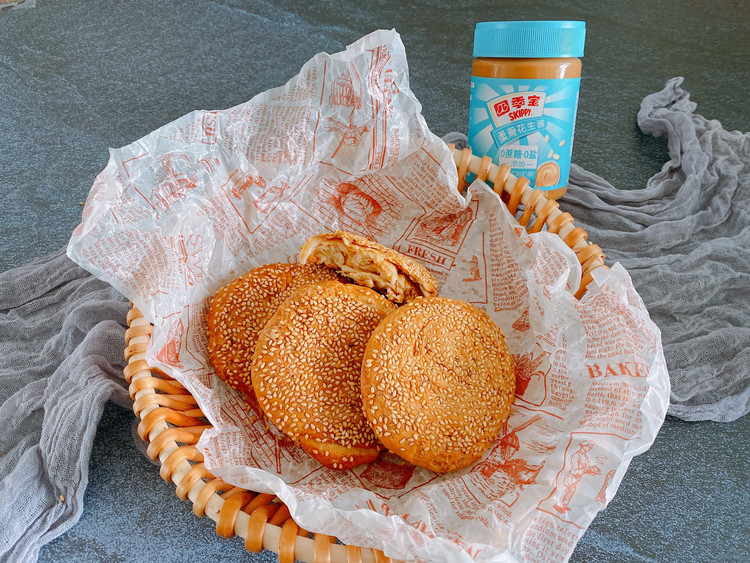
{"x":537,"y":39}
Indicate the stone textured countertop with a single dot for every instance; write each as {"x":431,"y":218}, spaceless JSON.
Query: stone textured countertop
{"x":77,"y":78}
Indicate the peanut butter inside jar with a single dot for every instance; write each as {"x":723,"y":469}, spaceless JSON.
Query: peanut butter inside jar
{"x":524,"y":98}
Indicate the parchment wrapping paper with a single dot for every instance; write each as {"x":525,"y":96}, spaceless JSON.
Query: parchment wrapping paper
{"x":343,"y":145}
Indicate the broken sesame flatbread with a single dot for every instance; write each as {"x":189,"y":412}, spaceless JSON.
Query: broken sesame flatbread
{"x":240,"y":310}
{"x":306,"y":370}
{"x":437,"y":383}
{"x":370,"y":264}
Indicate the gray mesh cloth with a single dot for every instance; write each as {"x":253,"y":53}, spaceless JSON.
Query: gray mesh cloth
{"x":61,"y":344}
{"x":685,"y":239}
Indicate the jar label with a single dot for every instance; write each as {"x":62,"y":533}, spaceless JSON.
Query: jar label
{"x":527,"y":124}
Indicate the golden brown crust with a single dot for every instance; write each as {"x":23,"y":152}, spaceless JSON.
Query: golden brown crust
{"x":437,"y":383}
{"x":240,"y":310}
{"x":306,"y":370}
{"x":370,"y":264}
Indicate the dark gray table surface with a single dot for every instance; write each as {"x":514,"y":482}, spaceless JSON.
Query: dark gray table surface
{"x":79,"y":77}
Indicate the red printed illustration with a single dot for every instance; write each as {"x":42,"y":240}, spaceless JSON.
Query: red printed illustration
{"x":174,"y":178}
{"x":356,"y":209}
{"x":581,"y":466}
{"x":496,"y":479}
{"x":522,"y":323}
{"x":529,"y":366}
{"x":444,"y":230}
{"x":346,"y":91}
{"x":169,"y":354}
{"x":388,"y":471}
{"x":273,"y":195}
{"x":501,"y":469}
{"x":437,"y":238}
{"x":188,"y":250}
{"x":507,"y":447}
{"x":475,"y":273}
{"x":520,"y":472}
{"x":240,"y":182}
{"x":509,"y":443}
{"x":351,"y":134}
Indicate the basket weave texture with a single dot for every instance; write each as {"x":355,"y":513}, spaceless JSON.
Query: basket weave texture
{"x":171,"y":422}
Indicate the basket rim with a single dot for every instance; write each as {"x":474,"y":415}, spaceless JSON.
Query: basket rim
{"x":538,"y":210}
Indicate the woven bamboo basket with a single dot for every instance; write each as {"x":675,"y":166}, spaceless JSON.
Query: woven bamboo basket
{"x":171,"y":421}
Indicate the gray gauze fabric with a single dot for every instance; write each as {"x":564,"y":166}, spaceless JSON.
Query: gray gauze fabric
{"x":61,"y":349}
{"x":684,"y":238}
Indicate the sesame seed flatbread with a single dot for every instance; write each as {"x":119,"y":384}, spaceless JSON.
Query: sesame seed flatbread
{"x":306,"y":370}
{"x":437,"y":383}
{"x":240,"y":310}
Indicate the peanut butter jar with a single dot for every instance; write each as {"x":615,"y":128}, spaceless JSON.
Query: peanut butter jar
{"x":525,"y":80}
